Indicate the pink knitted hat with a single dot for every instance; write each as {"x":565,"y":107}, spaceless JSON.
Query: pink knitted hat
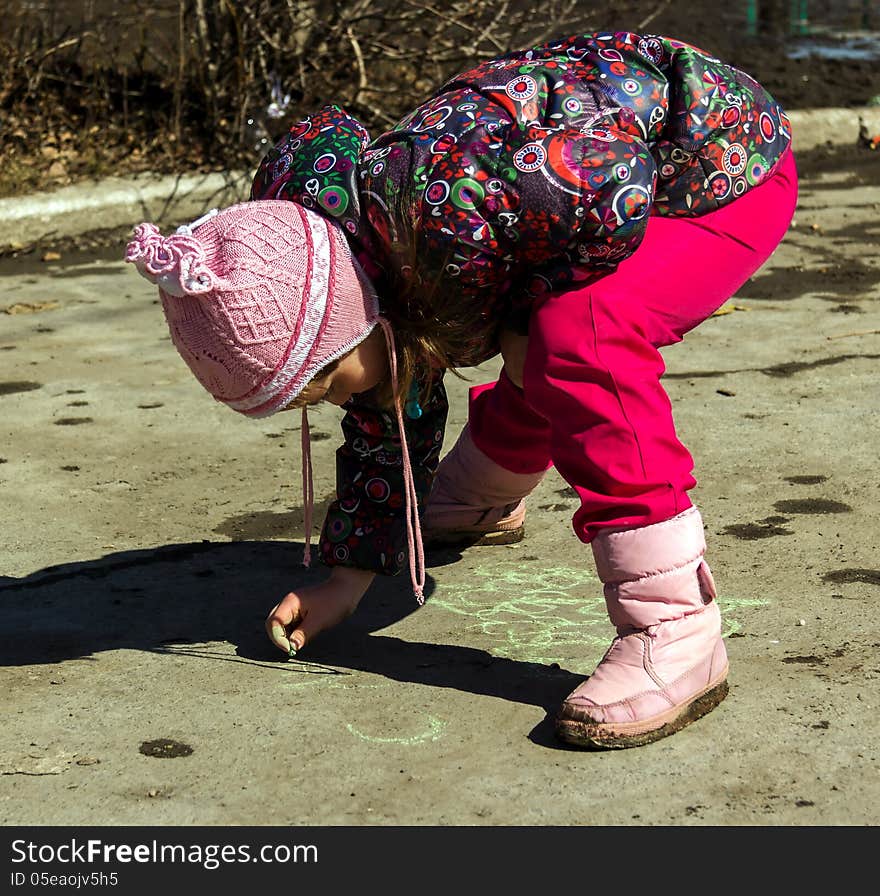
{"x":258,"y":297}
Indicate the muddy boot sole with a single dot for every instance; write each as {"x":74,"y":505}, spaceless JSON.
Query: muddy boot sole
{"x":617,"y":737}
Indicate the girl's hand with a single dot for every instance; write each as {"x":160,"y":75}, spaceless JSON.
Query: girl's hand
{"x":302,"y":614}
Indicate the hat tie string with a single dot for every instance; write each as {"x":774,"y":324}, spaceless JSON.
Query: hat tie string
{"x":308,"y":485}
{"x":413,"y":528}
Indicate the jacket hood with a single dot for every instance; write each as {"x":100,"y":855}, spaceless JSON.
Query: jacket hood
{"x":316,"y":164}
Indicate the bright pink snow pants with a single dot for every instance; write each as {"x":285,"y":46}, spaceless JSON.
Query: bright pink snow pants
{"x":592,"y":403}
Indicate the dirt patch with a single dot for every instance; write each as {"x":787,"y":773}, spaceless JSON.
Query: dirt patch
{"x":812,"y":505}
{"x":753,"y":531}
{"x":13,"y":387}
{"x":73,"y":421}
{"x":164,"y":748}
{"x":851,"y":576}
{"x":861,"y":164}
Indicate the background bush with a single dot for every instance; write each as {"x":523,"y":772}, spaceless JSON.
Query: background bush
{"x":93,"y":87}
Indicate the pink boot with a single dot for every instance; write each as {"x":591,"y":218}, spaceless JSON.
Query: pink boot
{"x":668,"y":665}
{"x":474,"y":500}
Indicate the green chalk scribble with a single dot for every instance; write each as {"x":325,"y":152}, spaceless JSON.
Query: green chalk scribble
{"x":533,"y":614}
{"x":729,"y":605}
{"x":434,"y":732}
{"x":546,"y":615}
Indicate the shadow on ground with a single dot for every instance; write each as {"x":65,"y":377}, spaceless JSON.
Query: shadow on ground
{"x":163,"y":599}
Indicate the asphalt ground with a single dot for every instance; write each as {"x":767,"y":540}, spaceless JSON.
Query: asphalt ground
{"x":147,"y":531}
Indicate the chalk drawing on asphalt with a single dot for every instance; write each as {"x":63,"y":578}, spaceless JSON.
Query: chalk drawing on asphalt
{"x":729,"y":606}
{"x":531,"y":614}
{"x":545,"y":615}
{"x":433,"y":732}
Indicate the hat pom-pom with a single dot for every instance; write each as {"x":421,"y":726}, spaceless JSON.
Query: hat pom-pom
{"x":176,"y":264}
{"x":143,"y":239}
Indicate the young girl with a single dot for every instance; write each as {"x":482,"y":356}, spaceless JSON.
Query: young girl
{"x":574,"y":207}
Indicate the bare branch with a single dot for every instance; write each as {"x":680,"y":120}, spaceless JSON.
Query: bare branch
{"x":660,"y":7}
{"x":359,"y":56}
{"x":484,"y":34}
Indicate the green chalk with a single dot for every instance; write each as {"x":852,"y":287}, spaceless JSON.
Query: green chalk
{"x":292,"y":652}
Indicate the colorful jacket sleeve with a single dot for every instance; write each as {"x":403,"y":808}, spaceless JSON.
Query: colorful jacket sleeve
{"x":365,"y":526}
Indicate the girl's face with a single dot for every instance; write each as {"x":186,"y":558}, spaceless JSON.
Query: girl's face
{"x":361,"y":369}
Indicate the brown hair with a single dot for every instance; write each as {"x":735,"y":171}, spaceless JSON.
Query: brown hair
{"x":433,"y":328}
{"x":433,"y":321}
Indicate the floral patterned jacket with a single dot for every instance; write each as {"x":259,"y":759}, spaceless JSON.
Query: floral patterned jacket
{"x":532,"y":173}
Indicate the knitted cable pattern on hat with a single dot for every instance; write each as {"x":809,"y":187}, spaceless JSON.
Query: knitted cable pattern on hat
{"x":258,"y":297}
